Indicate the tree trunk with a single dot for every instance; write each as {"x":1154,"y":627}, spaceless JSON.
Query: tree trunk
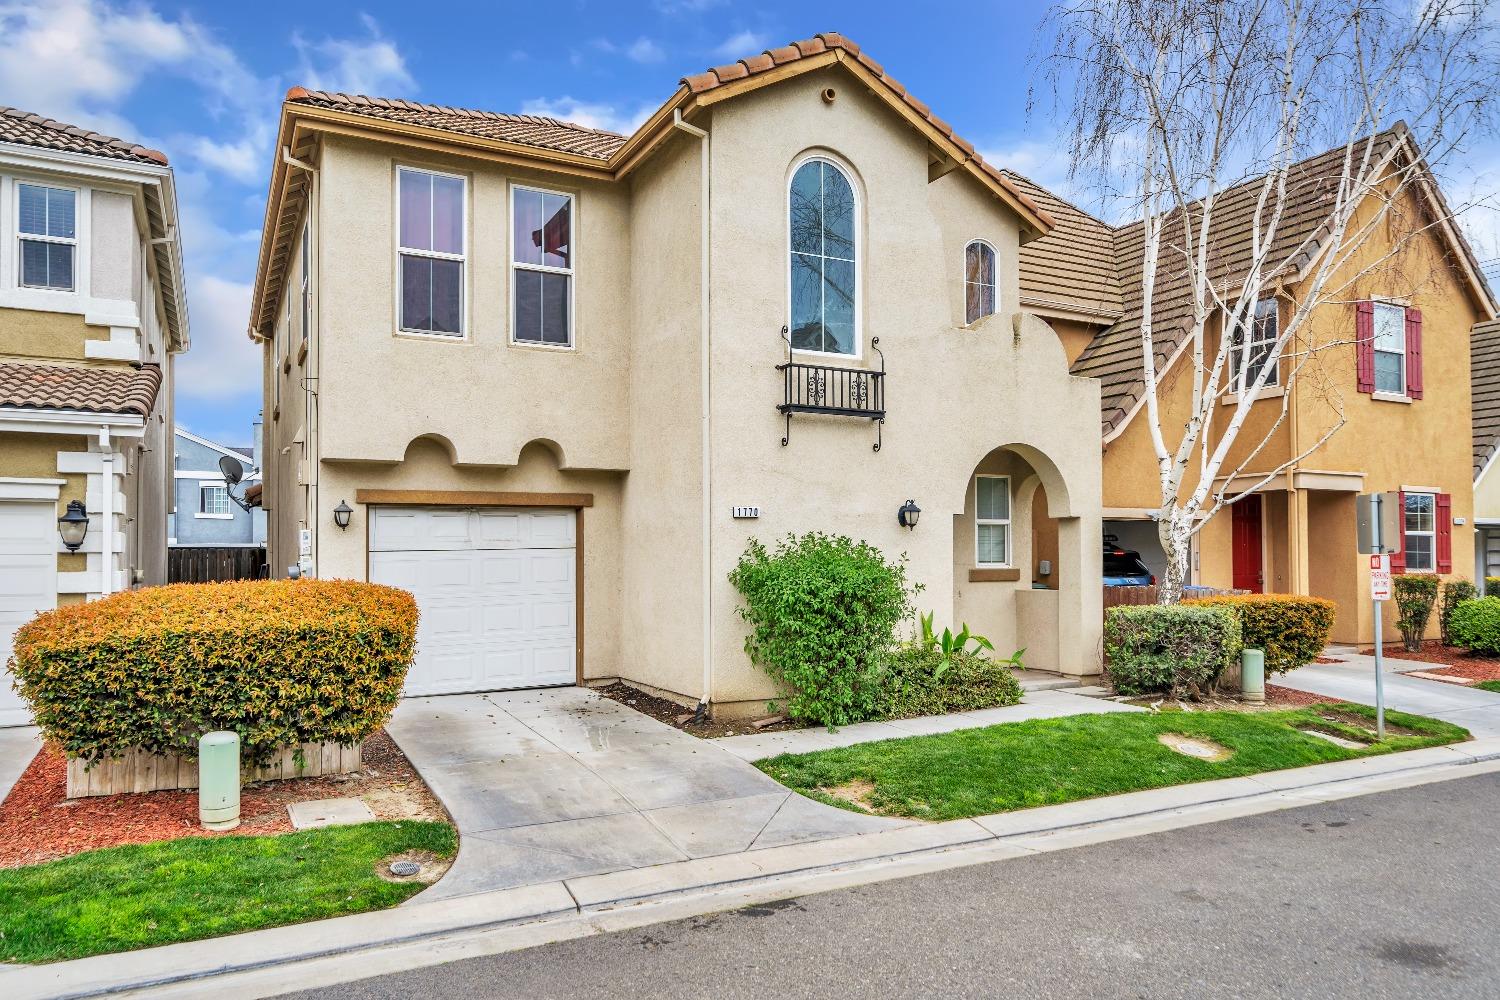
{"x":1174,"y":530}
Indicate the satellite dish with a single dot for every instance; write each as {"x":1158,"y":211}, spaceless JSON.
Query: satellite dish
{"x":233,"y":469}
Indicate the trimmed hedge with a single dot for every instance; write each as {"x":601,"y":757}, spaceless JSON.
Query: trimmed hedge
{"x":1476,"y":625}
{"x":912,"y":685}
{"x":280,"y":662}
{"x":1415,"y":594}
{"x":1291,"y":630}
{"x":1169,"y":648}
{"x":1492,"y":586}
{"x":1455,"y":592}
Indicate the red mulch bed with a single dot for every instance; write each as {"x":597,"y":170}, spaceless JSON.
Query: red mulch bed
{"x":1454,"y":661}
{"x":38,"y":822}
{"x":1285,"y":697}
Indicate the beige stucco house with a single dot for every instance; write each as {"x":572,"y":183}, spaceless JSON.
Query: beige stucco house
{"x":91,"y":316}
{"x":559,"y":377}
{"x":1484,"y":374}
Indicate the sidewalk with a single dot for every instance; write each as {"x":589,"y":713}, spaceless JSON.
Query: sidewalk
{"x":1354,"y":680}
{"x":18,"y":745}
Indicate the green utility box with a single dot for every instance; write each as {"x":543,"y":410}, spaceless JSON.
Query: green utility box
{"x":1253,"y":675}
{"x":219,"y":781}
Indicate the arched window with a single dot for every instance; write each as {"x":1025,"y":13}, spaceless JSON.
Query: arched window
{"x":980,"y":293}
{"x":824,"y":272}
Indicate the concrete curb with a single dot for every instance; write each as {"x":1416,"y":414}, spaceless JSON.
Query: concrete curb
{"x":261,"y":963}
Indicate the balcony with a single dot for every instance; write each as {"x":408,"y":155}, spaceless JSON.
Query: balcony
{"x":833,"y":391}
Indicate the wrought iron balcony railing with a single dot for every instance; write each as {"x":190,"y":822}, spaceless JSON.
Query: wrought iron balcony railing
{"x":832,"y":390}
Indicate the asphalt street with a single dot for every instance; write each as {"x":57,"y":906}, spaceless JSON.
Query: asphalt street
{"x":1391,"y":895}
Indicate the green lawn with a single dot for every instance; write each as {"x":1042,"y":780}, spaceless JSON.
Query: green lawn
{"x":198,"y":887}
{"x":973,"y":772}
{"x":1489,"y":686}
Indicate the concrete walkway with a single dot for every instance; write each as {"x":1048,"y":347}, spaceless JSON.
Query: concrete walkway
{"x":18,"y":745}
{"x":1040,"y":703}
{"x":1354,"y":680}
{"x":563,"y":783}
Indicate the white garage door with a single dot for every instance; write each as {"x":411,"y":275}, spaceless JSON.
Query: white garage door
{"x":28,"y":584}
{"x":496,"y":590}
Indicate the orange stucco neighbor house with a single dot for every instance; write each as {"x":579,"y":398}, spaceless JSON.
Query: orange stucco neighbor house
{"x":1398,"y":363}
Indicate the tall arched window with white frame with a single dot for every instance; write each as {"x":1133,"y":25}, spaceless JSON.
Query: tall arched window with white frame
{"x":981,"y":288}
{"x":824,"y":265}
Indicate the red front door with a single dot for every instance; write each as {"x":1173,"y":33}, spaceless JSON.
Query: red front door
{"x":1247,"y":550}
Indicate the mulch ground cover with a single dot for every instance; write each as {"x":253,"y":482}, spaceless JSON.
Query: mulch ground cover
{"x":38,"y":822}
{"x":1453,"y":661}
{"x":664,"y":710}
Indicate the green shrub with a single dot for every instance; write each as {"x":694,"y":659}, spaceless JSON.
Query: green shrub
{"x":1492,"y":586}
{"x":1476,"y":625}
{"x":1174,"y":649}
{"x":1291,"y":630}
{"x":278,"y":662}
{"x":913,"y":682}
{"x":823,"y":611}
{"x":1455,"y":592}
{"x":1416,"y":593}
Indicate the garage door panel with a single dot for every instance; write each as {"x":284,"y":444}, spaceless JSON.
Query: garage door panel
{"x":498,"y":601}
{"x":28,"y":585}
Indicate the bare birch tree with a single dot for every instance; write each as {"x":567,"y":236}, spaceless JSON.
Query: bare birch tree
{"x":1179,"y":108}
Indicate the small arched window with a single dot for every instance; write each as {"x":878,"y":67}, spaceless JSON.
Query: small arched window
{"x":980,"y":293}
{"x":824,"y":272}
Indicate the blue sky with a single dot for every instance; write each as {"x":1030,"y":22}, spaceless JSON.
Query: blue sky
{"x":203,"y":82}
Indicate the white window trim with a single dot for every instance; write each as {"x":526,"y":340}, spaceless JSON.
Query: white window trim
{"x":571,"y":272}
{"x":307,"y":280}
{"x":964,"y":280}
{"x":1239,"y":358}
{"x":1388,"y":395}
{"x":859,"y":255}
{"x":1007,"y":521}
{"x":12,"y":293}
{"x":463,"y":258}
{"x":1405,"y":534}
{"x":67,"y":241}
{"x":200,"y":513}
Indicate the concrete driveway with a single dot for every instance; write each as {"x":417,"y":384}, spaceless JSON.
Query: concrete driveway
{"x":1354,"y":680}
{"x":560,"y":783}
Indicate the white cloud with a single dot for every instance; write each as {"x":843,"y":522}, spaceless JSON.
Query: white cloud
{"x":686,"y":6}
{"x":243,"y":159}
{"x":592,"y":114}
{"x":742,"y":44}
{"x":223,"y":361}
{"x":644,"y":50}
{"x":368,"y":65}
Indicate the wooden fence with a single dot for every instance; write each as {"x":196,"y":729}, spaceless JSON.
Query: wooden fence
{"x":139,"y":771}
{"x":1116,"y":596}
{"x":203,"y":564}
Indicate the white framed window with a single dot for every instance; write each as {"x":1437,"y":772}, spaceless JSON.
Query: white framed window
{"x":1420,"y":532}
{"x":432,"y":210}
{"x":47,"y":236}
{"x":981,"y":293}
{"x":213,"y":500}
{"x":306,"y":279}
{"x":1390,"y":348}
{"x":823,"y":269}
{"x":992,"y":520}
{"x":541,"y":267}
{"x":1248,"y":356}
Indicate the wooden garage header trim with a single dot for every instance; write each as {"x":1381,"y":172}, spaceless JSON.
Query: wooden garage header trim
{"x":472,"y":498}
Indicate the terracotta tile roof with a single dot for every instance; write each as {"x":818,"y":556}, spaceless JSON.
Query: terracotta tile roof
{"x":93,"y":390}
{"x":1484,"y":385}
{"x":525,"y":130}
{"x":28,"y":129}
{"x":1073,"y":267}
{"x":831,"y":41}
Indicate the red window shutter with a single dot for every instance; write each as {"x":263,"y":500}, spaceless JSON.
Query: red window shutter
{"x":1364,"y":345}
{"x":1444,"y":531}
{"x":1398,"y":557}
{"x":1414,"y":353}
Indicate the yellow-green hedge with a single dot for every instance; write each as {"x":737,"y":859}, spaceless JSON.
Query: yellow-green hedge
{"x":280,"y":662}
{"x":1291,"y":630}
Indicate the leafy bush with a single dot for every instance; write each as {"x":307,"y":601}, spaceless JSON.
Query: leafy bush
{"x":950,"y":645}
{"x":1291,"y":630}
{"x":1176,"y":648}
{"x":1455,"y":592}
{"x":280,"y":662}
{"x":1416,"y":593}
{"x":1476,"y":624}
{"x":912,"y":682}
{"x":823,"y":611}
{"x":1492,"y":586}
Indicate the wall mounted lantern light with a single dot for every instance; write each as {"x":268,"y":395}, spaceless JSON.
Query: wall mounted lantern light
{"x":341,"y":514}
{"x":73,"y":525}
{"x":908,"y":514}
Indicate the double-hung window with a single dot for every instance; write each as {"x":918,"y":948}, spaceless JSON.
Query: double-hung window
{"x":306,"y":279}
{"x":1390,"y":348}
{"x":1421,"y":532}
{"x":992,"y":520}
{"x":431,"y":256}
{"x":47,"y":227}
{"x":980,"y":296}
{"x":213,"y":500}
{"x":542,"y":267}
{"x":824,"y":271}
{"x":1248,"y":356}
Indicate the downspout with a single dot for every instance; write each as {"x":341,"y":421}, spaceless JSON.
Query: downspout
{"x":704,"y":423}
{"x":314,"y":358}
{"x":106,"y":512}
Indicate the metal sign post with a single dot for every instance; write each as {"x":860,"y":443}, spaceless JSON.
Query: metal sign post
{"x":1374,"y":509}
